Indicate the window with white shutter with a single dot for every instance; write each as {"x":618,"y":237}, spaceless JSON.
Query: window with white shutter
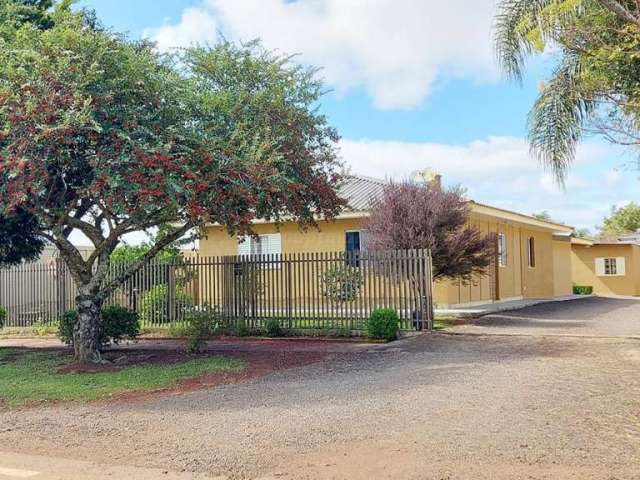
{"x":268,"y":244}
{"x":610,"y":267}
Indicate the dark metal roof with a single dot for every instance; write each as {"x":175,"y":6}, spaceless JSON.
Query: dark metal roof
{"x":360,"y":192}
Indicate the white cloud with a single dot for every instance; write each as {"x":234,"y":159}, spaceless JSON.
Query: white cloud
{"x":499,"y":171}
{"x":197,"y":26}
{"x":395,"y":49}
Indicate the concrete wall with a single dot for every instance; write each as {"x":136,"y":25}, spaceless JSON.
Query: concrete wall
{"x":583,"y":268}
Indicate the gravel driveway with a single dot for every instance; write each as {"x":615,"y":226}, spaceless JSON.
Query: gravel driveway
{"x":436,"y":406}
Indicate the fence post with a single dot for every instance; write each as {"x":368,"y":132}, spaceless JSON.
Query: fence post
{"x":429,"y":268}
{"x":289,"y":293}
{"x":171,"y":293}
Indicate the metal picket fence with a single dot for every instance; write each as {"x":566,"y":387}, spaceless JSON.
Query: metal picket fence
{"x":325,"y":290}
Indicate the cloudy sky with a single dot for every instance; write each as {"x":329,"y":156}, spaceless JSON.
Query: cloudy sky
{"x":414,"y":85}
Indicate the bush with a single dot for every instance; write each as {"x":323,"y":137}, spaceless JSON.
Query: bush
{"x":582,"y":289}
{"x":342,"y":283}
{"x":3,"y":317}
{"x":241,"y":329}
{"x":200,"y":327}
{"x":272,"y":328}
{"x":154,"y":305}
{"x":117,"y":324}
{"x":383,"y":324}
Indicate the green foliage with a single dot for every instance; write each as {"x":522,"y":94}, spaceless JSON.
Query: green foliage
{"x":66,"y":325}
{"x":154,"y":306}
{"x":272,"y":328}
{"x":241,"y":329}
{"x":383,"y":324}
{"x":21,"y":241}
{"x":126,"y":254}
{"x":35,"y":377}
{"x":342,"y":283}
{"x":582,"y":289}
{"x":3,"y":317}
{"x":201,"y":326}
{"x":118,"y":323}
{"x":622,"y":220}
{"x":16,"y":13}
{"x":594,"y":86}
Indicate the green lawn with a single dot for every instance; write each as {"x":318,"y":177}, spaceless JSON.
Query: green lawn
{"x":32,"y":377}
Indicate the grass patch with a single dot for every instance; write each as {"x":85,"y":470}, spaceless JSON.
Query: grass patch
{"x":442,"y":323}
{"x":33,"y":377}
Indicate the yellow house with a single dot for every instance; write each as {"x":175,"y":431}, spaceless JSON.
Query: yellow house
{"x":533,"y":258}
{"x":610,"y":266}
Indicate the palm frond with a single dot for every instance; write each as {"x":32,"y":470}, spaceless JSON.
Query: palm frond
{"x":557,"y":118}
{"x":511,"y":41}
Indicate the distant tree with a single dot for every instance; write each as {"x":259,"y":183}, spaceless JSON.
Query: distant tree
{"x":19,"y":12}
{"x":582,"y":233}
{"x":102,"y":135}
{"x":622,"y":220}
{"x":593,"y":88}
{"x":127,"y":254}
{"x":544,"y":215}
{"x":424,"y":216}
{"x":19,"y":238}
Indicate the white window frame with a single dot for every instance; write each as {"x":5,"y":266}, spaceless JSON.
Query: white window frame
{"x":254,"y":245}
{"x":531,"y":252}
{"x":610,"y":266}
{"x":502,"y":250}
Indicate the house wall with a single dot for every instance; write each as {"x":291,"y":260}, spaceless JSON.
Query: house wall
{"x":562,"y":281}
{"x":328,"y":237}
{"x":515,"y":279}
{"x":583,"y":268}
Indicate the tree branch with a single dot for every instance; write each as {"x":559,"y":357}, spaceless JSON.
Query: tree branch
{"x":138,"y":264}
{"x":622,"y":12}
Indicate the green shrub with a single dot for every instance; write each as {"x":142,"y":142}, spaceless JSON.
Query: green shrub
{"x":241,"y":329}
{"x":154,"y":307}
{"x":383,"y":324}
{"x":3,"y":317}
{"x":201,"y":326}
{"x":118,"y":323}
{"x":272,"y":328}
{"x":582,"y":289}
{"x":342,"y":283}
{"x":178,"y":329}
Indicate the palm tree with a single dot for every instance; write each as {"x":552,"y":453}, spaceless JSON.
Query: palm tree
{"x":589,"y":89}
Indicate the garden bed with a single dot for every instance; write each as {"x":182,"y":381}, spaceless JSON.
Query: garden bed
{"x":38,"y":376}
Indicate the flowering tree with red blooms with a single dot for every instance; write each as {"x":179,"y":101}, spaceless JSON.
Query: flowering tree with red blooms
{"x":104,"y":136}
{"x":425,"y":216}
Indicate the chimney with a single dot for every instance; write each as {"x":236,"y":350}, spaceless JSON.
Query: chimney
{"x":431,"y":177}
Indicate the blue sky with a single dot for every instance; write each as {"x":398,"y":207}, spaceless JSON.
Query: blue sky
{"x":414,"y":86}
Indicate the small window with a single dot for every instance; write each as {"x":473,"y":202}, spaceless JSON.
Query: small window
{"x":354,"y":244}
{"x":531,"y":252}
{"x":502,"y":250}
{"x":610,"y":267}
{"x":269,"y":244}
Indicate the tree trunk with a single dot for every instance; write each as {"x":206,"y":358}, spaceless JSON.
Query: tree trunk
{"x":86,"y":332}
